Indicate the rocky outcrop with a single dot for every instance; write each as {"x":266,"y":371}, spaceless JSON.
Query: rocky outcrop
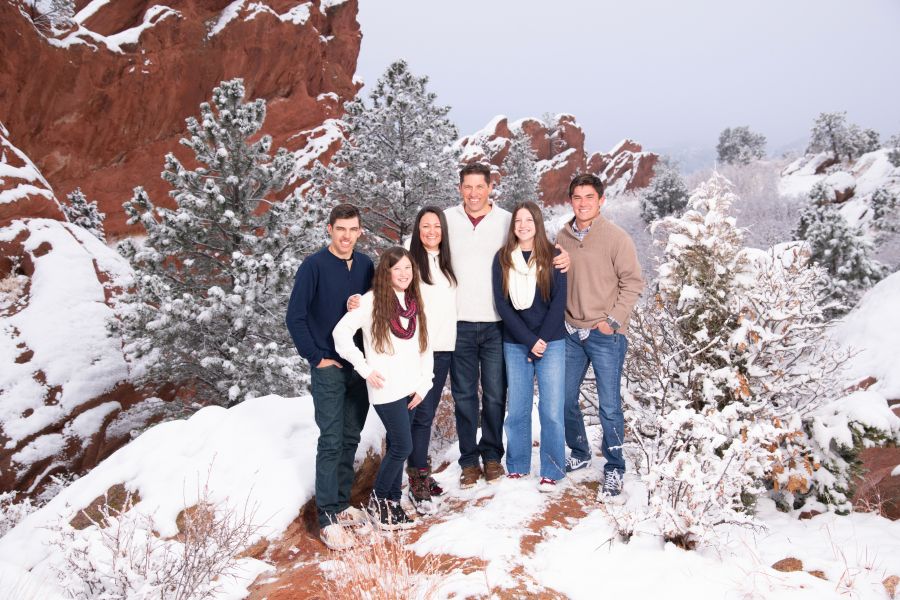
{"x":561,"y":154}
{"x":65,"y":402}
{"x":99,"y":106}
{"x":23,"y":190}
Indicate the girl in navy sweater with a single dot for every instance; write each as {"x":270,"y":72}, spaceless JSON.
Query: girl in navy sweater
{"x":530,"y":296}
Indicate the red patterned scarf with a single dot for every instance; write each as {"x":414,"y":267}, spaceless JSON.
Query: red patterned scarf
{"x":409,"y":312}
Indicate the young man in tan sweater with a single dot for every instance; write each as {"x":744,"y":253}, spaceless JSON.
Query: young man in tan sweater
{"x":604,"y":282}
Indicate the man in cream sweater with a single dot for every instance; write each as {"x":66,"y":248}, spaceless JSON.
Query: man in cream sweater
{"x":604,"y":282}
{"x":476,"y":230}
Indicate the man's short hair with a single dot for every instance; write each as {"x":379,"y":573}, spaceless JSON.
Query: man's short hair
{"x":475,"y":168}
{"x":343,"y":211}
{"x":587,"y":179}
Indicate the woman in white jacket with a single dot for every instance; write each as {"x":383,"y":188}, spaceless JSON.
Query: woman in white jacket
{"x":430,"y":250}
{"x":397,"y":367}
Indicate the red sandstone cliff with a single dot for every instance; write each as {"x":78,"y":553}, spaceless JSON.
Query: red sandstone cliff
{"x":98,"y":107}
{"x":559,"y":148}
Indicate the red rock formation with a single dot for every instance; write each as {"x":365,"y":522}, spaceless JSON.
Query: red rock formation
{"x":561,"y":155}
{"x":99,"y":107}
{"x":23,"y":190}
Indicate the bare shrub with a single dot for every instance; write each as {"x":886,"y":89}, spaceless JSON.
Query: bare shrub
{"x":12,"y":512}
{"x":381,"y":567}
{"x":443,"y":428}
{"x":120,"y":555}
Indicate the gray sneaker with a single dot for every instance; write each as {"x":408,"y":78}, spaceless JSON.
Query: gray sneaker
{"x":611,"y":492}
{"x":576,"y":464}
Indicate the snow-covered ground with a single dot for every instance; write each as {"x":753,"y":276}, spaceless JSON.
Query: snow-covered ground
{"x":259,"y":454}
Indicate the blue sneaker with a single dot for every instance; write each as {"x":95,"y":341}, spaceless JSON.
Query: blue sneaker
{"x":576,"y":464}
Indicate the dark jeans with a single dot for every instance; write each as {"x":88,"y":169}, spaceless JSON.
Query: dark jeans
{"x":341,"y":405}
{"x":606,"y":353}
{"x":398,"y":440}
{"x":424,"y":413}
{"x":479,"y":347}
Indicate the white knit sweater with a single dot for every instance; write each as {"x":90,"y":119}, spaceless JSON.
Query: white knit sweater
{"x":440,"y":308}
{"x":406,"y":371}
{"x":472,"y":250}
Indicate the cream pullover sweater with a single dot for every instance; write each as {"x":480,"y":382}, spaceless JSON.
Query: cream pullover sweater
{"x":440,"y":308}
{"x":406,"y":371}
{"x":472,"y":251}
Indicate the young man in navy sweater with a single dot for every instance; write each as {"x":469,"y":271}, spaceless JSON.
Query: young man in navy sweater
{"x":324,"y":283}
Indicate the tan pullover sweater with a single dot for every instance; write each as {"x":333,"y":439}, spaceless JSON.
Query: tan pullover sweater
{"x":604,"y":277}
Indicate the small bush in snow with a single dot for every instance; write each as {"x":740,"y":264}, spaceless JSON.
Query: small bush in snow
{"x":85,"y":214}
{"x":397,"y":157}
{"x":666,"y":195}
{"x":12,"y":512}
{"x":214,"y":274}
{"x":740,"y":146}
{"x":120,"y":556}
{"x":47,"y":15}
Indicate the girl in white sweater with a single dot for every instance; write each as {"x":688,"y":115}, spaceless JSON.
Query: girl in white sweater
{"x":397,"y":367}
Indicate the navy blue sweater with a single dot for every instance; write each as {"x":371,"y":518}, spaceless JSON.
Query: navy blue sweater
{"x":543,"y":320}
{"x":319,"y":300}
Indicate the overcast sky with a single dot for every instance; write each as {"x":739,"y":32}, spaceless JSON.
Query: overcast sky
{"x":667,"y":73}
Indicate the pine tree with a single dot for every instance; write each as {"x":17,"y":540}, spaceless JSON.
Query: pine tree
{"x":214,"y":274}
{"x":397,"y":157}
{"x":832,"y":133}
{"x":85,"y":214}
{"x":893,"y":146}
{"x":740,"y":146}
{"x":519,"y":180}
{"x":884,"y":204}
{"x":840,"y":249}
{"x":666,"y":195}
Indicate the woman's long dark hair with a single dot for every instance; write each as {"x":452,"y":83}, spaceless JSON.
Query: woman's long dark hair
{"x":420,"y":255}
{"x":385,"y":300}
{"x":542,"y":254}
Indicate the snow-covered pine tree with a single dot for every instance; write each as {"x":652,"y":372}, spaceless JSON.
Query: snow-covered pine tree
{"x":832,"y":133}
{"x":893,"y":147}
{"x":214,"y":274}
{"x":397,"y":157}
{"x":740,"y":146}
{"x":666,"y":195}
{"x":84,"y":214}
{"x":884,"y":203}
{"x":840,"y":249}
{"x":518,"y":180}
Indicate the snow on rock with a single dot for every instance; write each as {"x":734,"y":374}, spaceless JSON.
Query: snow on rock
{"x":140,"y":51}
{"x":851,"y":184}
{"x":23,"y":190}
{"x":259,"y":454}
{"x":560,"y":150}
{"x":871,"y":331}
{"x":63,"y":376}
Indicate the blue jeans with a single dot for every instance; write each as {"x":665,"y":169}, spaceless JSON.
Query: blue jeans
{"x":424,"y":413}
{"x":341,"y":404}
{"x":398,"y":441}
{"x":520,"y":373}
{"x":606,"y":353}
{"x":479,"y":347}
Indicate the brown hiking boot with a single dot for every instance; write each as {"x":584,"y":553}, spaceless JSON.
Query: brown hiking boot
{"x":493,"y":471}
{"x":419,"y":493}
{"x":469,"y":476}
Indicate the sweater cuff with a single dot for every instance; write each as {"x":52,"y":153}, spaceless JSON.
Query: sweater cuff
{"x":364,"y":370}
